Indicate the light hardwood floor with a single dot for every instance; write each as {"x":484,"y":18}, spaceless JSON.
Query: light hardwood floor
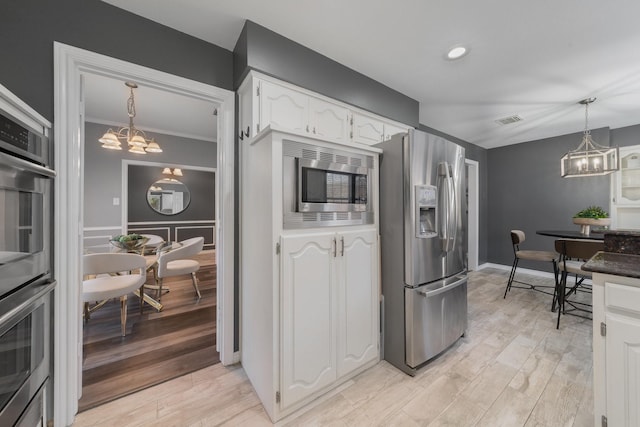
{"x":512,"y":368}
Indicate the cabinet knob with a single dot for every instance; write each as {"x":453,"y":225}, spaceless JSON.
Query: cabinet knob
{"x":241,"y":136}
{"x":307,"y":128}
{"x":314,"y":129}
{"x":246,"y":133}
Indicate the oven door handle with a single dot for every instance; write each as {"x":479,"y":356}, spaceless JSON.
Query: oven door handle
{"x":24,"y":165}
{"x":31,"y":295}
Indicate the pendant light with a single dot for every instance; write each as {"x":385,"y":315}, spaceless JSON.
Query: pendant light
{"x":590,"y":158}
{"x":136,"y":139}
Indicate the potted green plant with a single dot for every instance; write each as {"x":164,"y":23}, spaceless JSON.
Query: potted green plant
{"x":593,"y":215}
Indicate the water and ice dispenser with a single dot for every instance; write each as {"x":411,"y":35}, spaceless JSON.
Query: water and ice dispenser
{"x":425,"y":202}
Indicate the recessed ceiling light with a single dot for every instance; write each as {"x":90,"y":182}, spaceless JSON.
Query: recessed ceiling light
{"x":457,"y":52}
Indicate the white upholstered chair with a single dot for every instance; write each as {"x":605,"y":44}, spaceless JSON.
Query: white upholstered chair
{"x":105,"y":279}
{"x":176,"y":262}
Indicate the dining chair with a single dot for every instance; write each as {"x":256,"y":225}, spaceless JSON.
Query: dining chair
{"x":517,"y":238}
{"x":106,"y":279}
{"x":573,"y":254}
{"x":177,"y":262}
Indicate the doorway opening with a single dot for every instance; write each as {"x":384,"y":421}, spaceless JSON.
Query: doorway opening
{"x":69,"y":67}
{"x":473,"y":213}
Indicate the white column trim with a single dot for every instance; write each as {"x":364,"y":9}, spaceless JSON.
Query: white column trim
{"x":70,"y":64}
{"x":473,"y":225}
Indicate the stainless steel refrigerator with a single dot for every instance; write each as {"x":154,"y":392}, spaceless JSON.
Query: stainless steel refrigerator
{"x":423,"y":223}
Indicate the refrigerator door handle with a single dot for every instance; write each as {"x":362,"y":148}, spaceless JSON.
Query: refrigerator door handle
{"x":447,"y":206}
{"x":446,"y":288}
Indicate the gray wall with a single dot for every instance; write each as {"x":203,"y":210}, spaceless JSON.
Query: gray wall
{"x":478,"y":154}
{"x":624,"y":137}
{"x":103,"y":170}
{"x":261,"y":49}
{"x":526,"y":192}
{"x":28,"y":29}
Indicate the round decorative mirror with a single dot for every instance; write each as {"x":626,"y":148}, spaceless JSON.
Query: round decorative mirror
{"x":168,"y":196}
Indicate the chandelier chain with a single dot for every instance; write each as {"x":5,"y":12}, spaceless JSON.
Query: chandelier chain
{"x":131,"y":105}
{"x":586,"y":119}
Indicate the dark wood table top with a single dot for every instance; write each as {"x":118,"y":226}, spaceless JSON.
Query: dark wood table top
{"x":572,"y":234}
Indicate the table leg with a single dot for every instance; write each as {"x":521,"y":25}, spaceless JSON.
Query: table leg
{"x":146,"y":298}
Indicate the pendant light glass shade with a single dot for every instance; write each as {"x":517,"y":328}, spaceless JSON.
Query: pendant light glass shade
{"x":177,"y":172}
{"x":590,"y":158}
{"x":153,"y":147}
{"x":167,"y":171}
{"x":137,"y":150}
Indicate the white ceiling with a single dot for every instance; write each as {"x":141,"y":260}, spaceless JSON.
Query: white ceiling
{"x":536,"y":59}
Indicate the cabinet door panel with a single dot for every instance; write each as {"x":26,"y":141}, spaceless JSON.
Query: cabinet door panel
{"x":328,"y":120}
{"x":367,"y":130}
{"x":308,"y":316}
{"x":390,"y":130}
{"x":623,"y":370}
{"x":283,"y":107}
{"x":358,"y":300}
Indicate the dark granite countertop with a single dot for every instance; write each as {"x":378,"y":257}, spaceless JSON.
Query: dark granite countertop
{"x":614,"y":263}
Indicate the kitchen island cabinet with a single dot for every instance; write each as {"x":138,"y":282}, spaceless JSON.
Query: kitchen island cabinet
{"x":616,"y":338}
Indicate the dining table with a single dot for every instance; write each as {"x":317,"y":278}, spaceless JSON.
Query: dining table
{"x":573,"y":234}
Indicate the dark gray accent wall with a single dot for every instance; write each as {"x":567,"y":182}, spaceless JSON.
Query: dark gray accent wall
{"x":626,"y":136}
{"x":103,"y":170}
{"x":526,"y":192}
{"x":201,"y":187}
{"x":261,"y":49}
{"x":479,"y":154}
{"x":28,"y":29}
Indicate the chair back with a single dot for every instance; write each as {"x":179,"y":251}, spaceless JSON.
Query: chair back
{"x":112,"y":263}
{"x":154,"y":240}
{"x":578,"y":249}
{"x":517,"y":237}
{"x":189,"y":248}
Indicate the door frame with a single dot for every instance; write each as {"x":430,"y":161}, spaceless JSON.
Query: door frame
{"x":70,"y":63}
{"x":473,"y":184}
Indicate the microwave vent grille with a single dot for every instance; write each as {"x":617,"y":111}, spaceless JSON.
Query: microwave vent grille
{"x":342,"y":216}
{"x":325,"y":157}
{"x":356,"y":215}
{"x":309,"y":216}
{"x":343,"y":160}
{"x":326,"y":216}
{"x":309,"y":154}
{"x":356,"y":161}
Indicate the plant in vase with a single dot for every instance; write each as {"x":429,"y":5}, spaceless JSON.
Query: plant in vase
{"x":593,"y":215}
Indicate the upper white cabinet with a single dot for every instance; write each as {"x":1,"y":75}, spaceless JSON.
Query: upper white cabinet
{"x":283,"y":107}
{"x":625,"y":190}
{"x":366,"y":129}
{"x":264,"y":101}
{"x":328,"y":120}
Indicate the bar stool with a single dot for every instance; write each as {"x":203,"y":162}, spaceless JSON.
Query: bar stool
{"x":517,"y":237}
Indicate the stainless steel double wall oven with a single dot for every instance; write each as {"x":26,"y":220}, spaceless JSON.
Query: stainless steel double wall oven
{"x":26,"y":283}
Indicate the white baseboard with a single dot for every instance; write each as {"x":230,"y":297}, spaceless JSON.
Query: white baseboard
{"x":520,"y":270}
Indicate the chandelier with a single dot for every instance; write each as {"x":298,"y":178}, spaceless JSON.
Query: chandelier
{"x":590,"y":158}
{"x":136,"y":139}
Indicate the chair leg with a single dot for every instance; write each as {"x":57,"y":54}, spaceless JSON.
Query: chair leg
{"x":142,"y":299}
{"x":555,"y":289}
{"x":194,"y":279}
{"x":561,"y":291}
{"x":159,"y":291}
{"x":87,"y":313}
{"x":511,"y":276}
{"x":123,"y":314}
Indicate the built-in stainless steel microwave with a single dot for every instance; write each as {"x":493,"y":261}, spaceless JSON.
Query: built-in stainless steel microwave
{"x":325,"y":187}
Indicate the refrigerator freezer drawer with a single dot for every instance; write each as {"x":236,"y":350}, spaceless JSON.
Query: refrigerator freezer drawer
{"x":435,"y":316}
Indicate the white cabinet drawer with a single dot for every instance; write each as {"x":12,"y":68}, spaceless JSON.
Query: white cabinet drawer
{"x":622,"y":297}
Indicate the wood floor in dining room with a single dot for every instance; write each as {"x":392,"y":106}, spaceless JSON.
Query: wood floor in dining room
{"x":511,"y":369}
{"x":158,"y":346}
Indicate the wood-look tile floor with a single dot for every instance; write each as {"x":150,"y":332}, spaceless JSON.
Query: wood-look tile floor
{"x":512,"y":368}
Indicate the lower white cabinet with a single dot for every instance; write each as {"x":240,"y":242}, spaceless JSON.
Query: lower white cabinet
{"x":616,"y":347}
{"x":329,"y":295}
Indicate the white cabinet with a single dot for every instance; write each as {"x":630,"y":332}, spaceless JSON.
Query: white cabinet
{"x":329,"y":309}
{"x":357,"y":278}
{"x":366,"y":129}
{"x":625,"y":190}
{"x":309,"y":297}
{"x":264,"y":101}
{"x":616,"y":346}
{"x":328,"y":121}
{"x":283,"y":107}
